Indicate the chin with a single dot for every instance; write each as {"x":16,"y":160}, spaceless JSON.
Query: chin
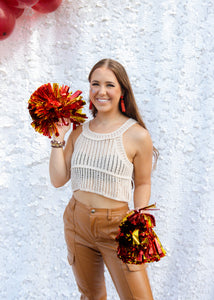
{"x":102,"y":107}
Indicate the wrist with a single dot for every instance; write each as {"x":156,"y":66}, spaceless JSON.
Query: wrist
{"x":57,"y":144}
{"x":59,"y":138}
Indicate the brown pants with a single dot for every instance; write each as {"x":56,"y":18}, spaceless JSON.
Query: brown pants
{"x":90,"y":236}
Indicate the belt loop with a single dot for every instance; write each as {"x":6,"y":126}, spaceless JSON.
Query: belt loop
{"x":109,"y":214}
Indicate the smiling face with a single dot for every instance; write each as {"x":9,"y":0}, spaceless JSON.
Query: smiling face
{"x":105,"y":90}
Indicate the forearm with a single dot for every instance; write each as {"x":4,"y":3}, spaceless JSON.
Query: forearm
{"x":59,"y":174}
{"x":142,"y":195}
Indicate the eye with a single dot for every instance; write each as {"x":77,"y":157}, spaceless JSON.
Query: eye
{"x":93,"y":84}
{"x":111,"y":85}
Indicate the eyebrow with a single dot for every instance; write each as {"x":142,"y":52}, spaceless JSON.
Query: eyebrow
{"x":105,"y":82}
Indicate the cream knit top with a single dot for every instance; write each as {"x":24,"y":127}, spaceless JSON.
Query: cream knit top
{"x":100,"y":165}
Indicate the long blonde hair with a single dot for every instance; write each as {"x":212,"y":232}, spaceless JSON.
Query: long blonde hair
{"x":128,"y":95}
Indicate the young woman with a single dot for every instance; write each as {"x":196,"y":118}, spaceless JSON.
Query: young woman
{"x":105,"y":158}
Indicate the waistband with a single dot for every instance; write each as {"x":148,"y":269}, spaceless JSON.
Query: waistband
{"x":90,"y":209}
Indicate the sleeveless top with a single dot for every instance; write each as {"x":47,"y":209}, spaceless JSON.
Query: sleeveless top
{"x":99,"y":163}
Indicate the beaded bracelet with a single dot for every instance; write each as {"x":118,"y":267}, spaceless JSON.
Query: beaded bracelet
{"x":56,"y":144}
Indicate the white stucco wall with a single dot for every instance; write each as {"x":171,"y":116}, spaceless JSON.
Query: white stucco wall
{"x":167,"y":49}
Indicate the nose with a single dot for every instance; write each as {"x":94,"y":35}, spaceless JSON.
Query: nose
{"x":102,"y":90}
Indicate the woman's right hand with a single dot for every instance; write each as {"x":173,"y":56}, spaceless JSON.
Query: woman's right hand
{"x":60,"y":159}
{"x":63,"y":128}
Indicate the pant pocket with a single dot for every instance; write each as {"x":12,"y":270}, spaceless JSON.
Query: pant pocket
{"x":108,"y":229}
{"x":68,"y":212}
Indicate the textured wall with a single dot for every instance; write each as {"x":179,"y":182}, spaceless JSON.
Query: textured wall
{"x":167,"y":49}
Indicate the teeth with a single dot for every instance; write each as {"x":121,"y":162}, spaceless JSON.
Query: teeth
{"x":102,"y":100}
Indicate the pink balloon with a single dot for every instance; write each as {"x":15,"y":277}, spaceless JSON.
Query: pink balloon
{"x":47,"y":6}
{"x":7,"y":20}
{"x":21,"y":3}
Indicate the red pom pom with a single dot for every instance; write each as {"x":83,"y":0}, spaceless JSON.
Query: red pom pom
{"x":49,"y":104}
{"x":138,"y":242}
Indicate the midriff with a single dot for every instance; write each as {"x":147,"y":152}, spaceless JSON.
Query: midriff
{"x":96,"y":201}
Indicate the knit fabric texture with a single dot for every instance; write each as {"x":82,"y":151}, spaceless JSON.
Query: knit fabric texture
{"x":100,"y":165}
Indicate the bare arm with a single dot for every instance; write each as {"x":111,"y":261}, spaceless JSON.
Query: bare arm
{"x":60,"y":160}
{"x":142,"y":168}
{"x":59,"y":165}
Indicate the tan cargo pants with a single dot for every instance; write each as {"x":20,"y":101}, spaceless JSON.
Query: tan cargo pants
{"x":90,"y":236}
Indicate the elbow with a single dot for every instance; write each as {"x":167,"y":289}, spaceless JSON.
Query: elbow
{"x":59,"y":183}
{"x":56,"y":185}
{"x":146,"y":184}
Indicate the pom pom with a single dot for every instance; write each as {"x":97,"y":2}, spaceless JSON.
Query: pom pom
{"x":138,"y":242}
{"x":49,"y":104}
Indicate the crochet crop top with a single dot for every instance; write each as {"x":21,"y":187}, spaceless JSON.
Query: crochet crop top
{"x":100,"y":165}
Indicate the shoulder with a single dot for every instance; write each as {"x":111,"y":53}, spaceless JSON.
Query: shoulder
{"x":75,"y":134}
{"x":139,"y":137}
{"x":139,"y":134}
{"x":137,"y":142}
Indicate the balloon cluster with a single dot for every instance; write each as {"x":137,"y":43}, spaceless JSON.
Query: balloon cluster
{"x":10,"y":10}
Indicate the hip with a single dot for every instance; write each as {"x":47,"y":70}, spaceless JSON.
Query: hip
{"x":91,"y":224}
{"x":97,"y":201}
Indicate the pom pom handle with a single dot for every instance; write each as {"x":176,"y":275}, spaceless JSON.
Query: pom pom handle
{"x":149,"y":207}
